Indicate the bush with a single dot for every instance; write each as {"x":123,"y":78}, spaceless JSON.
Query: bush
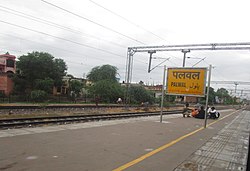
{"x":38,"y":96}
{"x":139,"y":94}
{"x":2,"y":95}
{"x":108,"y":91}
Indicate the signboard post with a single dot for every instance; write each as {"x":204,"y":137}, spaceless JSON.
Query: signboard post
{"x":186,"y":81}
{"x":162,"y":91}
{"x":208,"y":87}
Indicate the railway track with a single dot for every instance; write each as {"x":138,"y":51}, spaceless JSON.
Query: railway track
{"x":39,"y":121}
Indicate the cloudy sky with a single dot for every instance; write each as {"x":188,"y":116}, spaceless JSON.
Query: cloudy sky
{"x":89,"y":33}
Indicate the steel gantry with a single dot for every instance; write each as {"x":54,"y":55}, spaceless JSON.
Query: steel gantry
{"x":182,"y":48}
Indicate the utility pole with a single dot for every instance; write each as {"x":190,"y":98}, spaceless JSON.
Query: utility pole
{"x":185,"y":51}
{"x":163,"y":91}
{"x":235,"y":83}
{"x":208,"y":87}
{"x":150,"y":59}
{"x":128,"y":76}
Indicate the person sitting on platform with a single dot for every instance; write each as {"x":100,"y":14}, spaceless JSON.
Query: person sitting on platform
{"x":186,"y":110}
{"x":194,"y":112}
{"x":214,"y":114}
{"x":201,"y":114}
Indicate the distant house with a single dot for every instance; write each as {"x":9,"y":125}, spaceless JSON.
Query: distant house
{"x":7,"y":67}
{"x":64,"y":89}
{"x":156,"y":89}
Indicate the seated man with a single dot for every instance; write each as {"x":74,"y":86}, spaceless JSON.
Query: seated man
{"x":186,"y":111}
{"x":194,"y":112}
{"x":214,"y":114}
{"x":201,"y":114}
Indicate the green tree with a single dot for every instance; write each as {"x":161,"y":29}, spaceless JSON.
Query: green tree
{"x":108,"y":91}
{"x":45,"y":85}
{"x":212,"y":94}
{"x":104,"y":72}
{"x":38,"y":96}
{"x":38,"y":71}
{"x":59,"y":70}
{"x":20,"y":84}
{"x":223,"y":95}
{"x":75,"y":86}
{"x":170,"y":98}
{"x":211,"y":97}
{"x":222,"y":92}
{"x":139,"y":94}
{"x":105,"y":85}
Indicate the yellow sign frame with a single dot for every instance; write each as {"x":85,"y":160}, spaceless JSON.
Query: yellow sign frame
{"x":186,"y":81}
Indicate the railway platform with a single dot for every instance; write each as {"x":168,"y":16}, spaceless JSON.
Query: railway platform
{"x":178,"y":143}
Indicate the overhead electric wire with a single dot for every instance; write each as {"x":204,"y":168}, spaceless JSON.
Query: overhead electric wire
{"x":30,"y":17}
{"x":93,"y":22}
{"x":64,"y":58}
{"x":90,"y":21}
{"x":127,"y":20}
{"x":67,"y":61}
{"x":72,"y":52}
{"x":218,"y":73}
{"x":4,"y":51}
{"x":16,"y":50}
{"x":67,"y":40}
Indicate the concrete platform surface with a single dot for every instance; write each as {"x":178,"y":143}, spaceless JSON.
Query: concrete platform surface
{"x":129,"y":144}
{"x":228,"y":150}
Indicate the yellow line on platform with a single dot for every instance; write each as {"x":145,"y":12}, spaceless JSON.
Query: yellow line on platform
{"x":143,"y":157}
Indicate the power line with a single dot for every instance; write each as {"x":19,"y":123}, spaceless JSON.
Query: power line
{"x":30,"y":17}
{"x":112,"y":12}
{"x":72,"y":52}
{"x":93,"y":22}
{"x":67,"y":61}
{"x":81,"y":44}
{"x":232,"y":82}
{"x":100,"y":24}
{"x":215,"y":69}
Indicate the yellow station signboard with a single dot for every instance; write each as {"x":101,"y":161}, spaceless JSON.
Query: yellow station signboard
{"x":186,"y":81}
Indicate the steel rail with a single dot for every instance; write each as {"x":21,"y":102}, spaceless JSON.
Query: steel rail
{"x":35,"y":121}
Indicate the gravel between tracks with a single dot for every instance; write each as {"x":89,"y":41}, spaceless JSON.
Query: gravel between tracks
{"x":22,"y":113}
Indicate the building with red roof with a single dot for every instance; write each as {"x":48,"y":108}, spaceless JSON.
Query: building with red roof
{"x":7,"y":67}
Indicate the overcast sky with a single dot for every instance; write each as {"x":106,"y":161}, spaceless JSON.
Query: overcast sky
{"x":89,"y":33}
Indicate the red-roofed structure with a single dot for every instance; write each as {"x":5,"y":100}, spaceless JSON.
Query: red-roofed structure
{"x":7,"y":66}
